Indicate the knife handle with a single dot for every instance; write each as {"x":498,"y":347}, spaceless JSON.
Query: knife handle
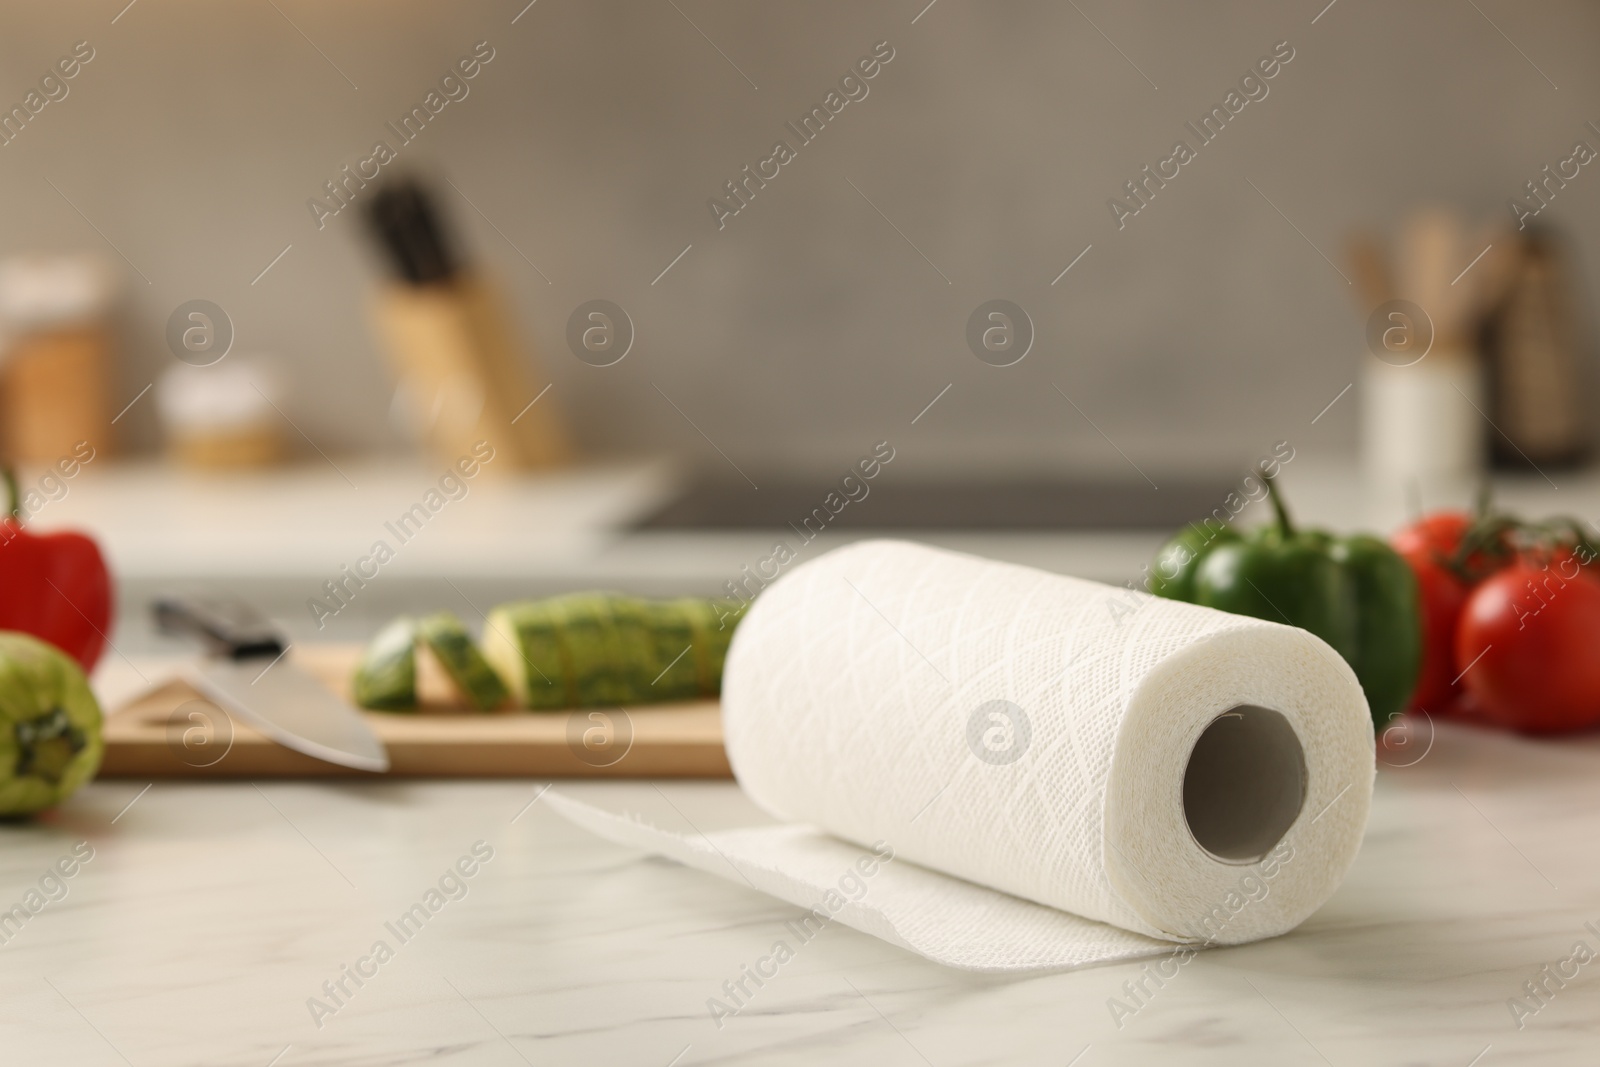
{"x":229,"y":627}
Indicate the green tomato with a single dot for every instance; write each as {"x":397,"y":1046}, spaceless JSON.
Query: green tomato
{"x":50,"y":741}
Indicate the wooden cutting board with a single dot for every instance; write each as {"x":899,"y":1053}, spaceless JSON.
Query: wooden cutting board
{"x":174,"y":732}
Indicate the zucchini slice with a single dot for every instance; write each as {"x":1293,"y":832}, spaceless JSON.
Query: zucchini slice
{"x":386,"y":678}
{"x":453,"y":647}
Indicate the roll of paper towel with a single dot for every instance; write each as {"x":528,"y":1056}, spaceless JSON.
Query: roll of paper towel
{"x":1037,"y":771}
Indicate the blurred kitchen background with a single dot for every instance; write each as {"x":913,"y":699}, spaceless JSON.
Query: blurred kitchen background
{"x":1235,"y":311}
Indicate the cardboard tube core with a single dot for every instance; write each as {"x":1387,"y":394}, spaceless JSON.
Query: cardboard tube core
{"x":1245,"y":784}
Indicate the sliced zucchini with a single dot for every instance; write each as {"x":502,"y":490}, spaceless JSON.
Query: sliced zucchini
{"x":589,"y":649}
{"x":453,"y":647}
{"x":386,"y":678}
{"x":521,"y":641}
{"x":712,"y":622}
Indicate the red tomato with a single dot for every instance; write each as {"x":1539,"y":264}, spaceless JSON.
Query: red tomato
{"x":1440,"y":532}
{"x":1440,"y":535}
{"x":1442,"y":596}
{"x":1528,"y":641}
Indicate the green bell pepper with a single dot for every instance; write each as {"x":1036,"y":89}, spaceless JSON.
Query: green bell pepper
{"x":1355,"y":593}
{"x":50,"y":740}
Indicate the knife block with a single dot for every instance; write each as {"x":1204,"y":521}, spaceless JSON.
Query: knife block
{"x":454,"y":351}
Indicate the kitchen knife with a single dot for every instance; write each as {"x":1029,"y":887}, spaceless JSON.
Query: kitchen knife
{"x":248,"y":675}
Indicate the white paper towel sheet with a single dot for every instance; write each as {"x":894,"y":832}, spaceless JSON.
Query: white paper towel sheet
{"x":1020,"y":742}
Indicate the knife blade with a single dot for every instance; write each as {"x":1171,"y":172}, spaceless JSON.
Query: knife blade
{"x":247,"y":673}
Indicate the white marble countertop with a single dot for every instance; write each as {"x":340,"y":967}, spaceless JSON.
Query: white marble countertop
{"x":210,"y":913}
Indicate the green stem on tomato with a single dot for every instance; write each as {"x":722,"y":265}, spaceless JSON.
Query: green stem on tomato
{"x":1580,"y":538}
{"x":13,"y":498}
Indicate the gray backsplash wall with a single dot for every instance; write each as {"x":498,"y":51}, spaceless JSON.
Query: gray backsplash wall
{"x":811,"y":325}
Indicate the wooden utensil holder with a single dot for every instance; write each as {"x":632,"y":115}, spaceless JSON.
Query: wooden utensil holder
{"x":453,"y":348}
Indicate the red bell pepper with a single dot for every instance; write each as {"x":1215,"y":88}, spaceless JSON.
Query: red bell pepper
{"x":53,"y":586}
